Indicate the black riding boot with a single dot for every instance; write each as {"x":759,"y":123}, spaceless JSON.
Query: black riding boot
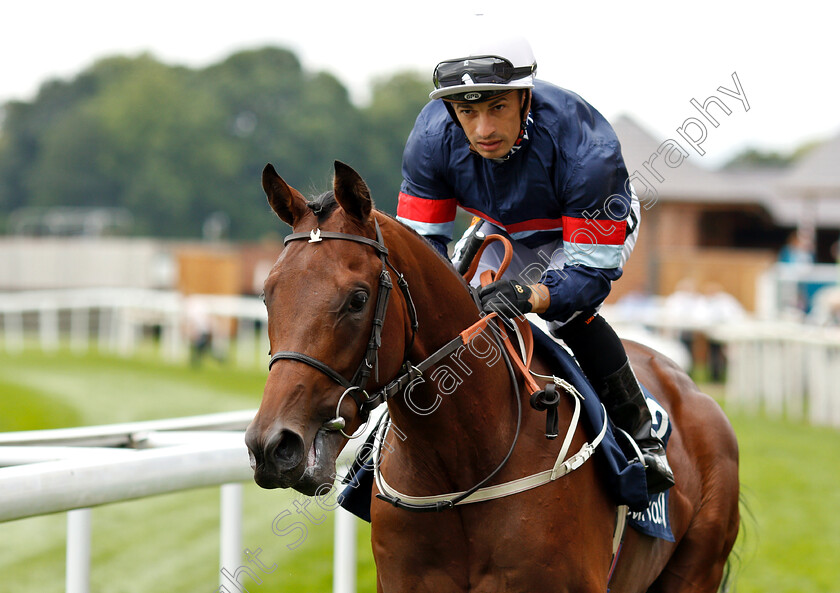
{"x":626,"y":405}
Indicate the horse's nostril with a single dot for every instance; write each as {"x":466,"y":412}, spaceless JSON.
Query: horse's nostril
{"x":288,"y":450}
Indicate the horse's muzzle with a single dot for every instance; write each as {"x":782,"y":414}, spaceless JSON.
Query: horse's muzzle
{"x":277,"y":460}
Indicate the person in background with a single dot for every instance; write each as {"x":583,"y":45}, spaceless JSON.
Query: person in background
{"x":797,"y":250}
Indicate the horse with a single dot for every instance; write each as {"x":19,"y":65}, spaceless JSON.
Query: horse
{"x":327,"y":317}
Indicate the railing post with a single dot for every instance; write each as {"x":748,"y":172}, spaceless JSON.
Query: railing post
{"x":344,"y":550}
{"x":230,"y":545}
{"x":78,"y":551}
{"x":13,"y":331}
{"x":79,"y":329}
{"x":48,"y":327}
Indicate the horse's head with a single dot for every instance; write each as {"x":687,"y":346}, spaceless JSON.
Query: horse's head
{"x":321,"y":298}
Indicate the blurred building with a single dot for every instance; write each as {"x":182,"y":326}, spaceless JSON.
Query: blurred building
{"x":49,"y":262}
{"x":722,"y":227}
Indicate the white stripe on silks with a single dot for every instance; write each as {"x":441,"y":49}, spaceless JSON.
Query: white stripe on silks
{"x":608,"y":256}
{"x":593,"y":255}
{"x":443,"y":229}
{"x":520,"y":235}
{"x":634,"y":218}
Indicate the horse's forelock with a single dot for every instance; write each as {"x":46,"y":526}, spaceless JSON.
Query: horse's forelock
{"x":323,"y":205}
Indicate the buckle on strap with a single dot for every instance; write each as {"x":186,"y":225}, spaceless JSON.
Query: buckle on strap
{"x":410,"y":373}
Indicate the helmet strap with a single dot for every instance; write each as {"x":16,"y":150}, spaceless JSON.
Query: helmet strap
{"x":452,"y":113}
{"x":526,"y":108}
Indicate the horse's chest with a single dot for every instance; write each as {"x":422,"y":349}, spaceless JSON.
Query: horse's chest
{"x":441,"y":554}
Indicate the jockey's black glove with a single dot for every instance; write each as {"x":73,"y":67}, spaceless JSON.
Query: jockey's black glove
{"x":508,"y":298}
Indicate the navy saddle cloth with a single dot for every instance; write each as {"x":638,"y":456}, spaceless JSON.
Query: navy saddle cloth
{"x":625,"y":480}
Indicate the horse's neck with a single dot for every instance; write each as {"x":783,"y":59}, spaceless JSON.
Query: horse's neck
{"x":463,"y":405}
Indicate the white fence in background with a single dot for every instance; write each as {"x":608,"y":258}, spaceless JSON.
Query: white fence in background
{"x":781,"y":367}
{"x":789,"y":369}
{"x":114,"y":320}
{"x":73,"y":469}
{"x":787,"y":289}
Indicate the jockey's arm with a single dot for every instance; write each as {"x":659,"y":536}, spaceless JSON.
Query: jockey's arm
{"x":562,"y":292}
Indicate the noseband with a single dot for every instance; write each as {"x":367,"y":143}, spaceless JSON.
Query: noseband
{"x":355,"y":387}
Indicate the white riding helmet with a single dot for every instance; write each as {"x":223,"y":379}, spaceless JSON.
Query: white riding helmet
{"x":491,"y":67}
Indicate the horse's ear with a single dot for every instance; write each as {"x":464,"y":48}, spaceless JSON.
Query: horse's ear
{"x":287,"y":202}
{"x":351,"y":192}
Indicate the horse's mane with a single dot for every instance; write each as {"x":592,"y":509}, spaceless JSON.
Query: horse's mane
{"x":425,"y":244}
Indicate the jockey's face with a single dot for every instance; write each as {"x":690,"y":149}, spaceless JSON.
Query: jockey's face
{"x":491,"y":126}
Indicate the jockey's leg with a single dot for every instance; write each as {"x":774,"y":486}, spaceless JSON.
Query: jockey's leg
{"x":602,"y":357}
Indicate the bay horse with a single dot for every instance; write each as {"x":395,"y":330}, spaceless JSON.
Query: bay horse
{"x":325,"y":319}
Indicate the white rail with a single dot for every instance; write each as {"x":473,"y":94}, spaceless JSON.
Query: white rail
{"x":95,"y":479}
{"x":789,"y":369}
{"x":74,"y":469}
{"x":115,"y":319}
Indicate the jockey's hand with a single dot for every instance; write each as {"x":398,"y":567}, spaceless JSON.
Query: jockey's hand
{"x":508,"y":298}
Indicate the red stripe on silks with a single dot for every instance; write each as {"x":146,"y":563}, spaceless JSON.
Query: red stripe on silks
{"x":591,"y":231}
{"x":484,"y":216}
{"x":425,"y":209}
{"x":537,"y":224}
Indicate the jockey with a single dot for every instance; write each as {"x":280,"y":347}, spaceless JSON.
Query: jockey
{"x":539,"y":165}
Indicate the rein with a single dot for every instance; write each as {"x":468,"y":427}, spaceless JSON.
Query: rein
{"x":562,"y":465}
{"x":366,"y":402}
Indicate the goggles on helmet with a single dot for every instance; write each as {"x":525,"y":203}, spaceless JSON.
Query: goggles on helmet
{"x":479,"y":70}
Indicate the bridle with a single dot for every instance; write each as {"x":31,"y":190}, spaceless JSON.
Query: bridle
{"x":355,"y":387}
{"x":366,"y":402}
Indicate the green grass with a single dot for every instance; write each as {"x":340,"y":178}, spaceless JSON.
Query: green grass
{"x":790,"y":478}
{"x":789,"y":473}
{"x":72,"y":390}
{"x":168,"y":542}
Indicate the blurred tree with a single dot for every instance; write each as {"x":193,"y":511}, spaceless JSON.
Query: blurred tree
{"x":175,"y":145}
{"x":395,"y":104}
{"x":24,"y":126}
{"x":755,"y":158}
{"x":275,"y":112}
{"x":67,"y":170}
{"x":145,"y":141}
{"x":752,"y":158}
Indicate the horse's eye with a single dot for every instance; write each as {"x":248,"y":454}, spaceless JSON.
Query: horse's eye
{"x":358,"y":301}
